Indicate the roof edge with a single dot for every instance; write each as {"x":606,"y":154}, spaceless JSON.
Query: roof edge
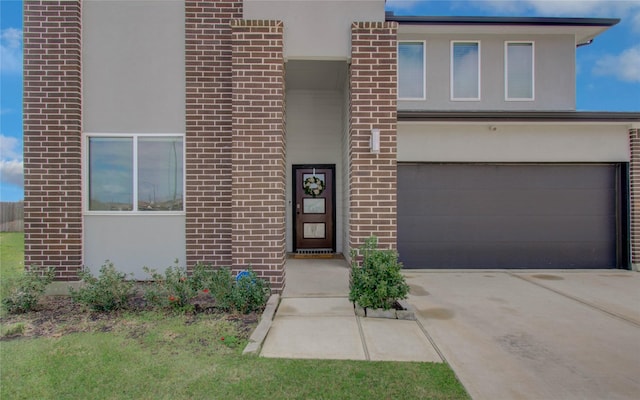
{"x":541,"y":21}
{"x":514,"y":116}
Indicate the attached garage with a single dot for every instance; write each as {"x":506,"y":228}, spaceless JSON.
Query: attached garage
{"x":508,"y":215}
{"x":512,"y":192}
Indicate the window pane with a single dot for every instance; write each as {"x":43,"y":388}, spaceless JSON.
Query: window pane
{"x":411,"y":70}
{"x":110,"y":174}
{"x":520,"y":70}
{"x":466,"y":75}
{"x":160,"y":174}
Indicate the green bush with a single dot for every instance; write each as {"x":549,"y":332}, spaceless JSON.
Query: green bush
{"x":376,"y":282}
{"x":221,"y":286}
{"x":110,"y":291}
{"x":174,"y":289}
{"x":22,"y":293}
{"x":249,"y":293}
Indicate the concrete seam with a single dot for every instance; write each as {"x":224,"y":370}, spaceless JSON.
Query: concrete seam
{"x":364,"y":343}
{"x":577,"y":299}
{"x":433,"y":343}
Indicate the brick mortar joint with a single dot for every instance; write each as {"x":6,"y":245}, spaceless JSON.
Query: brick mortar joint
{"x":256,"y":23}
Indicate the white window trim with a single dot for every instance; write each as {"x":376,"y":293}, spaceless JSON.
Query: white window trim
{"x":533,"y":71}
{"x":453,"y":42}
{"x":424,"y":69}
{"x":85,"y":174}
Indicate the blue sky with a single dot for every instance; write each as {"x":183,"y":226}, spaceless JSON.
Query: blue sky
{"x":608,"y":76}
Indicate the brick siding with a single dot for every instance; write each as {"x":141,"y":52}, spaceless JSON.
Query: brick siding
{"x":634,"y":137}
{"x":258,"y":187}
{"x":372,"y":177}
{"x":52,"y":135}
{"x":208,"y":130}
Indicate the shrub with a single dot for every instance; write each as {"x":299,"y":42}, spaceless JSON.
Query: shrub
{"x":377,"y":281}
{"x":110,"y":291}
{"x":249,"y":293}
{"x":174,"y":289}
{"x":21,"y":294}
{"x":221,"y":286}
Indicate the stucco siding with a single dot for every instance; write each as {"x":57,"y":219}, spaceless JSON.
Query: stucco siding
{"x":316,"y":29}
{"x":422,"y":142}
{"x":133,"y":66}
{"x":314,"y":136}
{"x":554,"y":74}
{"x":132,"y":242}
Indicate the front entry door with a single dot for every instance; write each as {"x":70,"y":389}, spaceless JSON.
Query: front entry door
{"x":314,"y":207}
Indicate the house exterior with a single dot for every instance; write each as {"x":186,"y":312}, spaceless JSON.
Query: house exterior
{"x":236,"y":132}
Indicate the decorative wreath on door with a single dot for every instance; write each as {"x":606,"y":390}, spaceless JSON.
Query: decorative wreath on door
{"x":313,"y":186}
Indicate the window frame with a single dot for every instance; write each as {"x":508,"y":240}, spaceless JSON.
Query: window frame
{"x":135,"y":211}
{"x":506,"y":70}
{"x":452,"y":69}
{"x":424,"y":70}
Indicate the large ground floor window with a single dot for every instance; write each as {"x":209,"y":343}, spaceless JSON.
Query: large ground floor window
{"x":138,"y":172}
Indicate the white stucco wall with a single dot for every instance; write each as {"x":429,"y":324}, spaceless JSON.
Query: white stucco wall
{"x":316,"y":29}
{"x":523,"y":142}
{"x":314,"y":136}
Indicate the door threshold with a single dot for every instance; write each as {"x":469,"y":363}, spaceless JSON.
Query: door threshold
{"x":306,"y":254}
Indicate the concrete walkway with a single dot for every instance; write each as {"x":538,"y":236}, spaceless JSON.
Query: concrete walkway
{"x":315,"y":320}
{"x":506,"y":334}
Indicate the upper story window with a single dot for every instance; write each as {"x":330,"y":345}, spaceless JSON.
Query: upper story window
{"x":465,"y":70}
{"x":135,"y":173}
{"x":519,"y":67}
{"x":411,"y":70}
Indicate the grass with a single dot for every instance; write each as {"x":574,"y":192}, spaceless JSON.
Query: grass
{"x":152,"y":355}
{"x":11,"y":254}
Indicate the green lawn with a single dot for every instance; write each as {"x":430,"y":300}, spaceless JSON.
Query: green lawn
{"x":151,"y":355}
{"x":11,"y":254}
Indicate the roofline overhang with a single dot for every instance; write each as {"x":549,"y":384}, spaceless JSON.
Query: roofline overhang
{"x":538,"y":21}
{"x":520,"y":116}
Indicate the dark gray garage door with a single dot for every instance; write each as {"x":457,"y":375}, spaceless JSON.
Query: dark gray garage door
{"x":507,"y":216}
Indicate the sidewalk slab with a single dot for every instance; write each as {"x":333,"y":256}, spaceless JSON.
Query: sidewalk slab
{"x":397,"y":340}
{"x":322,"y":306}
{"x":316,"y":278}
{"x":314,"y":337}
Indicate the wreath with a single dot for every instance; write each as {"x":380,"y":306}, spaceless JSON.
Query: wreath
{"x":313,"y":186}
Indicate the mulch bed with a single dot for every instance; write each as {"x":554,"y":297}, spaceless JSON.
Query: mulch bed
{"x":57,"y":316}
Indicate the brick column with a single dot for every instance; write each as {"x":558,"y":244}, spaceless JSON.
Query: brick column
{"x":634,"y":177}
{"x":52,"y":135}
{"x":258,"y":187}
{"x":372,"y":177}
{"x":208,"y":130}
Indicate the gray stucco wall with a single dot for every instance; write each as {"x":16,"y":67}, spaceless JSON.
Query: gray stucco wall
{"x":133,"y":66}
{"x":554,"y":73}
{"x":316,"y":29}
{"x":132,"y":242}
{"x":133,"y":82}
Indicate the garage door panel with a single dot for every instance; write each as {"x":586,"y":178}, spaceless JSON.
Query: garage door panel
{"x":507,"y":216}
{"x":487,"y":202}
{"x":510,"y":255}
{"x":504,"y":228}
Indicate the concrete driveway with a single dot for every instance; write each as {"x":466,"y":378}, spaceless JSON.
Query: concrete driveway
{"x":535,"y":335}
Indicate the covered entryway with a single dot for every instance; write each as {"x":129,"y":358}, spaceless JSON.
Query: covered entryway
{"x":314,"y":211}
{"x":510,"y":215}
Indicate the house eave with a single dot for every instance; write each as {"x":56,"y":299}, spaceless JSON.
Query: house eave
{"x":521,"y":116}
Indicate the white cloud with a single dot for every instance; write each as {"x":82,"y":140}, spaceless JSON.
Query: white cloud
{"x":11,"y":50}
{"x":11,"y":165}
{"x":625,"y":66}
{"x":11,"y":172}
{"x":10,"y":148}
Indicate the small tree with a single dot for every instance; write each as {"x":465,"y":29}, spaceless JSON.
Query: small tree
{"x":376,"y":281}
